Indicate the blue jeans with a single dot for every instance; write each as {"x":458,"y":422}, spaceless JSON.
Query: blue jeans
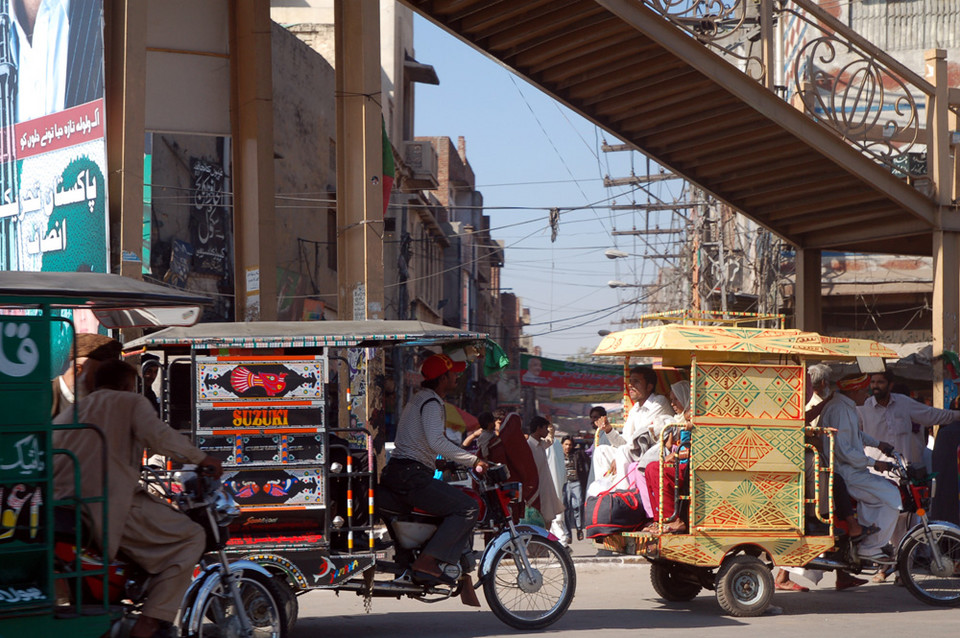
{"x":413,"y":484}
{"x":573,"y":502}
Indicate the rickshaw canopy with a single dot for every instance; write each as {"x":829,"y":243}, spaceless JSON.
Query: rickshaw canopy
{"x":307,"y":334}
{"x":117,"y":302}
{"x":676,"y":343}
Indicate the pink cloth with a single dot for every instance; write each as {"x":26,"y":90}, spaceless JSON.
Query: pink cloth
{"x":669,"y":482}
{"x":636,"y":479}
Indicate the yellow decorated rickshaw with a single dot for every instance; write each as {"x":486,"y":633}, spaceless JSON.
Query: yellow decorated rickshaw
{"x":746,"y":498}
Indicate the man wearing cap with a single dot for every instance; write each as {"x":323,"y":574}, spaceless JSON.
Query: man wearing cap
{"x":92,"y":349}
{"x":409,"y":474}
{"x":878,"y":499}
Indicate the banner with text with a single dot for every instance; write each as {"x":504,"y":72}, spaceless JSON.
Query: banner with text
{"x":553,"y":373}
{"x":53,"y":159}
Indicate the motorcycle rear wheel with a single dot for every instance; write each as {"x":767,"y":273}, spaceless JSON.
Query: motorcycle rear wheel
{"x":261,"y":601}
{"x":933,"y":585}
{"x":536,"y":600}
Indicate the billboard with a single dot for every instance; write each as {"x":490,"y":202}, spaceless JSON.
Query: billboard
{"x":542,"y":372}
{"x":53,"y":160}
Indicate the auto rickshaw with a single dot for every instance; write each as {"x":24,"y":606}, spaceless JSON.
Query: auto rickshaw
{"x":37,"y":598}
{"x":746,"y":499}
{"x":269,"y":400}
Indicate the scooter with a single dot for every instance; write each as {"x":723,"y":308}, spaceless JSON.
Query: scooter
{"x":238,"y":599}
{"x":527,"y":576}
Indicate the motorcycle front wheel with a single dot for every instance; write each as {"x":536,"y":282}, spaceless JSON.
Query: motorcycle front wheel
{"x":534,"y":598}
{"x":932,"y":582}
{"x":260,"y":596}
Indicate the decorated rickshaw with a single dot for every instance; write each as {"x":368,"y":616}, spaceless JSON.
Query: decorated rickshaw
{"x":746,"y":504}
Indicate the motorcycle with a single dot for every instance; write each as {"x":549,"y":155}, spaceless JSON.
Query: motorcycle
{"x":226,"y":600}
{"x":527,"y":576}
{"x":927,"y":558}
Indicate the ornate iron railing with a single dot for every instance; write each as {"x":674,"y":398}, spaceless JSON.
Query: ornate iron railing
{"x":837,"y":77}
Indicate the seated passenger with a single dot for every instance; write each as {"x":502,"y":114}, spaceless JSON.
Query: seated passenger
{"x":642,"y":428}
{"x":878,"y":499}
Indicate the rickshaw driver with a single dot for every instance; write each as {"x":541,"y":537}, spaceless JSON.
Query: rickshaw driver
{"x":160,"y":539}
{"x":409,"y":473}
{"x":878,"y":499}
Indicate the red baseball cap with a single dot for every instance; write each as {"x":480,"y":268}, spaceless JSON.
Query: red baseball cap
{"x":437,"y":365}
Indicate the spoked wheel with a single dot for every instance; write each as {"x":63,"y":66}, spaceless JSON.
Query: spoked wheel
{"x":260,"y":596}
{"x":932,"y":581}
{"x":670,"y":586}
{"x":744,"y":586}
{"x":536,"y":598}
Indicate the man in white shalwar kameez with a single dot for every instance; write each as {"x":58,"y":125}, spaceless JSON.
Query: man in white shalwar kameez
{"x":878,"y":500}
{"x":645,"y":421}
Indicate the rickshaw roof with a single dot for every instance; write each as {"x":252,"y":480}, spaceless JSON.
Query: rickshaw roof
{"x":89,"y":290}
{"x":306,"y":334}
{"x":676,"y":343}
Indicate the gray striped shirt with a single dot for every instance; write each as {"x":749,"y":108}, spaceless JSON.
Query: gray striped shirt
{"x":420,"y":432}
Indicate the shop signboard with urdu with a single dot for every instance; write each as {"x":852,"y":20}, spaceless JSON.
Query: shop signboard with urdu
{"x":53,"y":160}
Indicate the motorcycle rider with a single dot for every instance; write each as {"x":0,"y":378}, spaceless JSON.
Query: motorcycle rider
{"x":878,"y":499}
{"x":409,"y":473}
{"x":159,"y":538}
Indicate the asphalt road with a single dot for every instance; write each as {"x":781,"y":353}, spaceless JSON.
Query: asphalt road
{"x":617,"y":599}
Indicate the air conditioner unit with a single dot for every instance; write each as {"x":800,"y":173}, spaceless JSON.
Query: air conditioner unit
{"x":421,"y":158}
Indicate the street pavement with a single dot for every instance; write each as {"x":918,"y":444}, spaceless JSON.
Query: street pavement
{"x":614,"y":596}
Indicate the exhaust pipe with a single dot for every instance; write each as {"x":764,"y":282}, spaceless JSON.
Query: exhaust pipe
{"x":391,"y":588}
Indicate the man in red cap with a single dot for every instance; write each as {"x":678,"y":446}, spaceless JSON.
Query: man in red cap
{"x":878,"y":500}
{"x":409,"y":474}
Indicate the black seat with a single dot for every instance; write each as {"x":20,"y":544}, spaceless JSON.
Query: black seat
{"x":65,"y":526}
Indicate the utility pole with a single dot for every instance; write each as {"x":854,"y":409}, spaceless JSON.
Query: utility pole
{"x":721,"y":254}
{"x":360,"y":201}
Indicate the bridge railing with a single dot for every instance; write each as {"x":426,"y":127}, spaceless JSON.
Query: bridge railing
{"x":821,"y":66}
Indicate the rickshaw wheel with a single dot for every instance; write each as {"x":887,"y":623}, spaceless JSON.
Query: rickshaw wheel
{"x":670,"y":586}
{"x":744,"y":586}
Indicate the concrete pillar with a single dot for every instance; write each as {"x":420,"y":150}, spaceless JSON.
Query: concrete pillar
{"x":939,"y":164}
{"x":359,"y":161}
{"x":946,"y":244}
{"x":946,"y":303}
{"x":807,"y":294}
{"x":125,"y":34}
{"x":251,"y":117}
{"x":360,"y":199}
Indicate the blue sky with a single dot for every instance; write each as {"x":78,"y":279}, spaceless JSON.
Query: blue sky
{"x":529,"y":154}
